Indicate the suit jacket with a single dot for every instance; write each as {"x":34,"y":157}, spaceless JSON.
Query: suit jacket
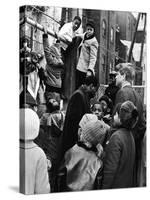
{"x":78,"y":105}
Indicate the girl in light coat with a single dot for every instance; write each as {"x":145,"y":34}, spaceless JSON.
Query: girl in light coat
{"x":87,"y":54}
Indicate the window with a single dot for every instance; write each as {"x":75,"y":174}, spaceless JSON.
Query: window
{"x":112,"y":35}
{"x":104,"y":28}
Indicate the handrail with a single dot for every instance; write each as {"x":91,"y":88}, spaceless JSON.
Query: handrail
{"x":39,"y":26}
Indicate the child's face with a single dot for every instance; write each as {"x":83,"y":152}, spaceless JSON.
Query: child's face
{"x":97,"y":110}
{"x":89,"y":31}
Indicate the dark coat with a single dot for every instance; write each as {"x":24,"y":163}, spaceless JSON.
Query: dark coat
{"x":78,"y":105}
{"x":111,"y":92}
{"x":119,"y":160}
{"x":128,"y":93}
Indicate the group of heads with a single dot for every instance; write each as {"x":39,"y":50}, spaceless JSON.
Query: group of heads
{"x":102,"y":107}
{"x":90,"y":26}
{"x":93,"y":131}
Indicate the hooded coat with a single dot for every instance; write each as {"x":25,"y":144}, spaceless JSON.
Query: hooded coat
{"x":33,"y":163}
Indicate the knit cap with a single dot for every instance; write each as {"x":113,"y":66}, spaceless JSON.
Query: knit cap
{"x":29,"y":124}
{"x":94,"y":132}
{"x":87,"y":118}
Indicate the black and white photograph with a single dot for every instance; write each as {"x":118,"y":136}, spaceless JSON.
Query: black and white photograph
{"x":82,"y":99}
{"x":76,"y":89}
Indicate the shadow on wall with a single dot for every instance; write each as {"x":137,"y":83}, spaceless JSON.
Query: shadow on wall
{"x":14,"y":188}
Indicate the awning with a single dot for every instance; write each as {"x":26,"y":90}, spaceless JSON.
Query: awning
{"x":136,"y":49}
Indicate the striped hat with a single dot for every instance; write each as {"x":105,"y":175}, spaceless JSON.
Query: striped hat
{"x":94,"y":132}
{"x":87,"y":118}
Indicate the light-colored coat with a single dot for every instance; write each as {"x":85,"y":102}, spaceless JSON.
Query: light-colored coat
{"x":33,"y":170}
{"x":88,"y":55}
{"x":82,"y":167}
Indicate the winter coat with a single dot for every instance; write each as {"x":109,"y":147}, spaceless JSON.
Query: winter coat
{"x":78,"y":105}
{"x":54,"y":64}
{"x":50,"y":135}
{"x":82,"y":167}
{"x":119,"y":160}
{"x":33,"y":169}
{"x":87,"y":54}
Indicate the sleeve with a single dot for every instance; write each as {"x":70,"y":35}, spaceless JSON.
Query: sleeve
{"x":46,"y":47}
{"x":77,"y":106}
{"x":65,"y":32}
{"x":111,"y":161}
{"x":93,"y":56}
{"x":75,"y":111}
{"x":42,"y":185}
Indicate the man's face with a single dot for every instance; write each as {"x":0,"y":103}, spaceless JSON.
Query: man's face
{"x":119,"y":79}
{"x":92,"y":90}
{"x":76,"y":24}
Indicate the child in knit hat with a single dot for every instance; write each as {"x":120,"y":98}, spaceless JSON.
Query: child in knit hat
{"x":120,"y":150}
{"x":33,"y":162}
{"x":83,"y":160}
